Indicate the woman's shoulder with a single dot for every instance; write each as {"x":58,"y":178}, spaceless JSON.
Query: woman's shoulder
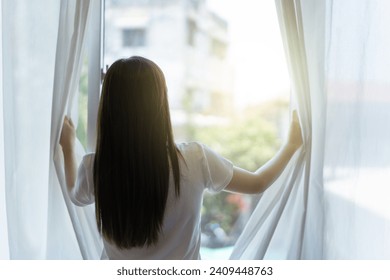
{"x":88,"y":159}
{"x":196,"y":151}
{"x":190,"y":148}
{"x":89,"y":156}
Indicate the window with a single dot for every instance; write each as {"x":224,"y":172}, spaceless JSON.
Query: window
{"x":191,"y":32}
{"x":133,"y":37}
{"x":194,"y":4}
{"x":218,"y":48}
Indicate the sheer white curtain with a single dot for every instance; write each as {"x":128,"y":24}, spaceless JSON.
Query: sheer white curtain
{"x":339,"y":208}
{"x":4,"y":249}
{"x":29,"y":43}
{"x":357,"y":135}
{"x":41,"y":51}
{"x":71,"y":38}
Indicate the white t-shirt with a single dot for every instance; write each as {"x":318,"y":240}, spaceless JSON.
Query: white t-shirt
{"x":180,"y":239}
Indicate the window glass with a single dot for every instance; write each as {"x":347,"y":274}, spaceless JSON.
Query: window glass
{"x":82,"y":105}
{"x":133,"y":37}
{"x":191,"y":32}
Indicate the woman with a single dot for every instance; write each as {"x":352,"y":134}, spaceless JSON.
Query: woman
{"x":148,"y":190}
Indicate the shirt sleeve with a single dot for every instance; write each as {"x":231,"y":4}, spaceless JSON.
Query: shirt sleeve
{"x":217,"y":170}
{"x":83,"y":191}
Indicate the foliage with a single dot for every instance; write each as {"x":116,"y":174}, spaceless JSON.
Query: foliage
{"x":248,"y":143}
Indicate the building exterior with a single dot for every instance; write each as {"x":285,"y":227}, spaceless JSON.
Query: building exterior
{"x":189,"y":43}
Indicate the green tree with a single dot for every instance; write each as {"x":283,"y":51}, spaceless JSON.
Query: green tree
{"x":248,"y":143}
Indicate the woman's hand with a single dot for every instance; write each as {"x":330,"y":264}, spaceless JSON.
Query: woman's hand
{"x":67,"y":140}
{"x":295,"y":133}
{"x":68,"y":134}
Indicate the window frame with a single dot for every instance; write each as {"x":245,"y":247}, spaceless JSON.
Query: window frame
{"x":95,"y":51}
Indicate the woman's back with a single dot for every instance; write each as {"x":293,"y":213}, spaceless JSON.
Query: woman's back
{"x":200,"y":169}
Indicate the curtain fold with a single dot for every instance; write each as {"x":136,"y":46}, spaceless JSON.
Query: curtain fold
{"x":71,"y":38}
{"x":314,"y":18}
{"x":272,"y":229}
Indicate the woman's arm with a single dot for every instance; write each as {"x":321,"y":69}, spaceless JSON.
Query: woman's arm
{"x":247,"y":182}
{"x":67,"y":142}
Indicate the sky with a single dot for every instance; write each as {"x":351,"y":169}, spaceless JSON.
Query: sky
{"x":256,"y":49}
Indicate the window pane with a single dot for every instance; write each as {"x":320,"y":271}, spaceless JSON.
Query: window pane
{"x":133,"y":37}
{"x":82,"y":105}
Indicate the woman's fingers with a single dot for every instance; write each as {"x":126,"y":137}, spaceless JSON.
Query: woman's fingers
{"x":295,"y":137}
{"x":68,"y":121}
{"x":295,"y":116}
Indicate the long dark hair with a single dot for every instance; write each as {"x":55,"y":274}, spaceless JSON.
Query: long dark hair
{"x":135,"y":153}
